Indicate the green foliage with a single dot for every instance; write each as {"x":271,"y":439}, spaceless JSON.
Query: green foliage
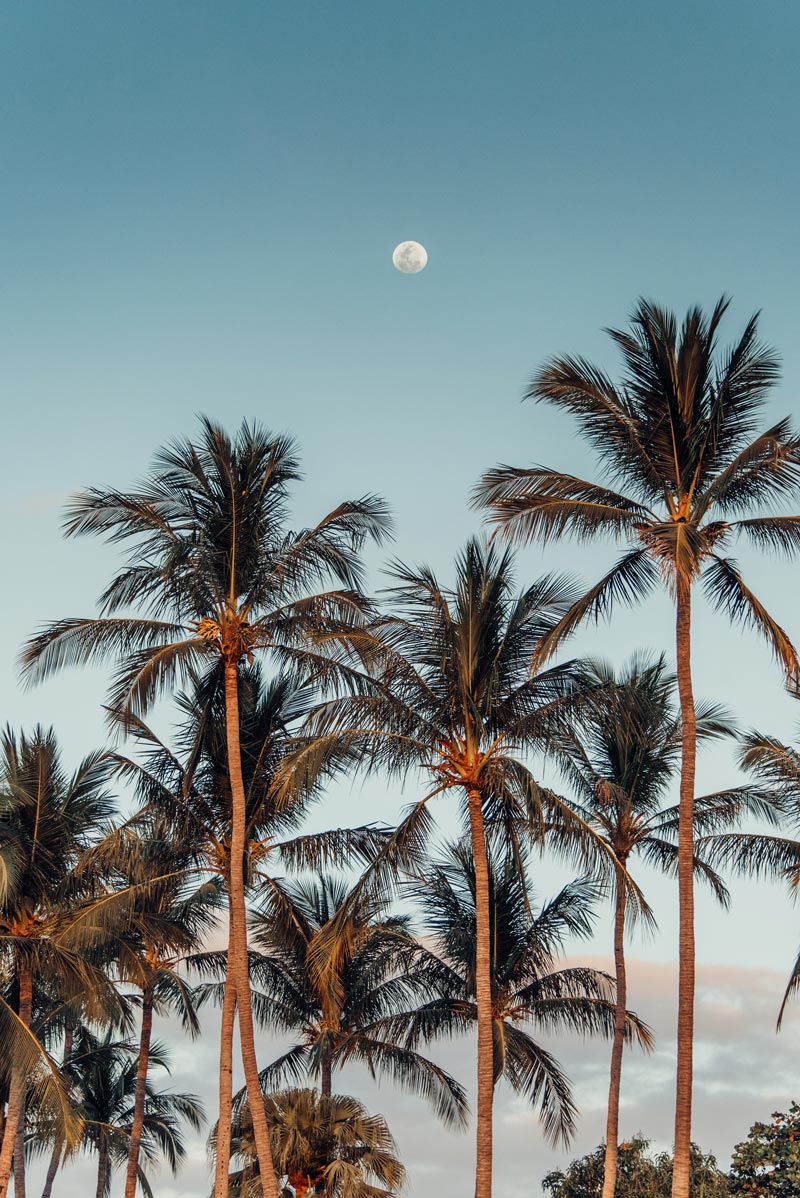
{"x":768,"y":1162}
{"x":639,"y":1175}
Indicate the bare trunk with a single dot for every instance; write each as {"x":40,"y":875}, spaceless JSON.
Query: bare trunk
{"x":102,"y":1172}
{"x":612,"y":1122}
{"x":19,"y":1156}
{"x":55,"y":1158}
{"x":131,"y":1175}
{"x":16,"y":1092}
{"x":327,"y":1075}
{"x":225,"y":1077}
{"x":686,"y":951}
{"x":483,"y":996}
{"x":237,"y":948}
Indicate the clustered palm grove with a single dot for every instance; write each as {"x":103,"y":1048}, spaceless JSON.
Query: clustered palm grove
{"x":203,"y":885}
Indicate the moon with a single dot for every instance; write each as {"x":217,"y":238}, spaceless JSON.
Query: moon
{"x":410,"y":257}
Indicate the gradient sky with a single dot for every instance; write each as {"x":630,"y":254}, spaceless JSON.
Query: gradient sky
{"x":198,"y":208}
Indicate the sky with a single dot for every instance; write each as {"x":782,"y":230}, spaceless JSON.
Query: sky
{"x":198,"y":210}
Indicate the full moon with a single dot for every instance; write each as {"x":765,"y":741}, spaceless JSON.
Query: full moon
{"x":410,"y":257}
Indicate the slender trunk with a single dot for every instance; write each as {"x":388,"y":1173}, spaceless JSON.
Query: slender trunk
{"x":225,"y":1077}
{"x":16,"y":1091}
{"x":102,"y":1172}
{"x":237,"y":948}
{"x":132,"y":1173}
{"x":326,"y":1085}
{"x":55,"y":1158}
{"x":19,"y":1155}
{"x":612,"y":1122}
{"x":683,"y":1091}
{"x":483,"y":996}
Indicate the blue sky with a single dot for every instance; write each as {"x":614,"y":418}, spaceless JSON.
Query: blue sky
{"x":198,"y":209}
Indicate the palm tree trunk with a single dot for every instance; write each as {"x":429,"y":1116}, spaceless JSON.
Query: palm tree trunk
{"x":326,"y":1085}
{"x":19,"y":1156}
{"x":102,"y":1171}
{"x":612,"y":1122}
{"x":132,"y":1173}
{"x":55,"y":1158}
{"x":483,"y":996}
{"x":686,"y":951}
{"x":237,"y":948}
{"x":223,"y":1146}
{"x":16,"y":1091}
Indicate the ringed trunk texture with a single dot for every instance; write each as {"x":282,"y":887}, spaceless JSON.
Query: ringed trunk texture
{"x":686,"y":950}
{"x":483,"y":995}
{"x":327,"y":1075}
{"x":19,"y":1156}
{"x":102,"y":1172}
{"x":132,"y":1172}
{"x":237,"y":948}
{"x":225,"y":1077}
{"x":612,"y":1122}
{"x":16,"y":1091}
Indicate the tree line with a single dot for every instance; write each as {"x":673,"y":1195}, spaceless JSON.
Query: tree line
{"x":284,"y":675}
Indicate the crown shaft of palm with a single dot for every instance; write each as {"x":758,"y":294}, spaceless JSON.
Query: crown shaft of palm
{"x":689,"y":472}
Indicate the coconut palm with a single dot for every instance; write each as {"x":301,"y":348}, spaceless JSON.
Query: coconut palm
{"x":48,"y":819}
{"x":688,"y":472}
{"x":186,"y":788}
{"x":355,"y":1009}
{"x":104,"y":1073}
{"x":620,"y":760}
{"x":215,"y":575}
{"x":528,"y":987}
{"x":321,"y":1144}
{"x":456,"y":704}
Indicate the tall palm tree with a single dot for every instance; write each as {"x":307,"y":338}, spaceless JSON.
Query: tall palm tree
{"x":679,"y":434}
{"x":187,"y":787}
{"x":48,"y":819}
{"x":620,"y":760}
{"x":456,"y":703}
{"x":353,"y":1010}
{"x":104,"y":1074}
{"x":322,"y":1144}
{"x":216,"y":575}
{"x":527,"y":985}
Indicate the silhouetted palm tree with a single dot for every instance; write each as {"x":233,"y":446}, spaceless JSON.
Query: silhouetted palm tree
{"x":688,"y":472}
{"x":527,"y":985}
{"x":218,"y":576}
{"x":354,"y":1010}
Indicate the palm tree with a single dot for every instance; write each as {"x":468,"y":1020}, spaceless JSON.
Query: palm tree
{"x":217,"y":576}
{"x":104,"y":1074}
{"x":619,"y":760}
{"x":679,"y":434}
{"x":187,"y":789}
{"x":321,"y":1144}
{"x":47,"y":821}
{"x":351,"y":1009}
{"x":173,"y":910}
{"x":455,"y":702}
{"x":527,"y":986}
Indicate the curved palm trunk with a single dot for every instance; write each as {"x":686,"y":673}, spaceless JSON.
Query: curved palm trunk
{"x":223,"y":1146}
{"x":612,"y":1122}
{"x":683,"y":1092}
{"x":16,"y":1092}
{"x":102,"y":1172}
{"x":132,"y":1173}
{"x":19,"y":1156}
{"x":483,"y":996}
{"x":237,"y":948}
{"x":55,"y":1158}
